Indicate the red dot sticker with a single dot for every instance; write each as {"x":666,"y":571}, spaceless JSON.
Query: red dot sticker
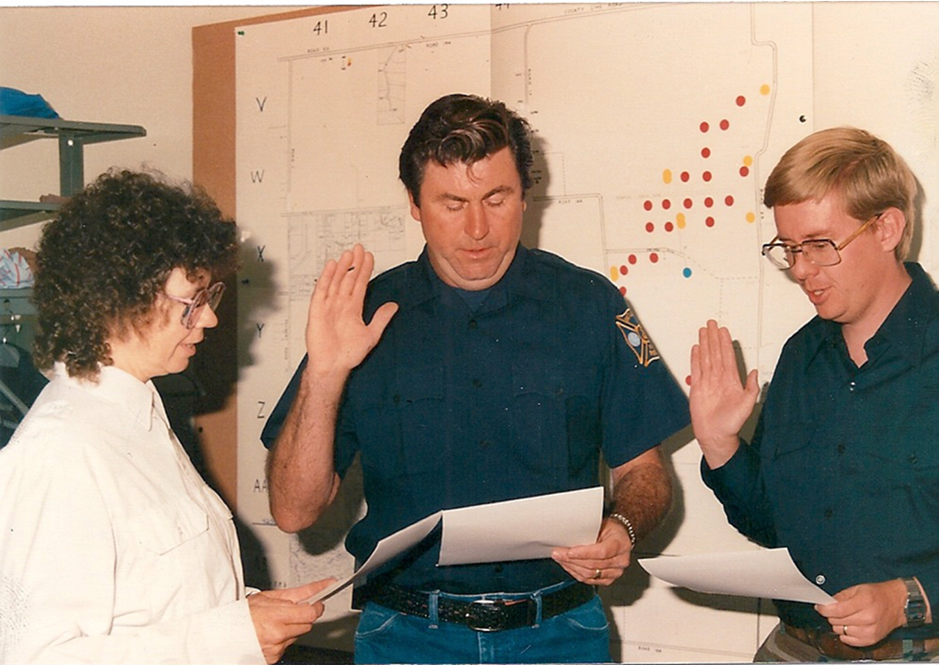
{"x":725,"y":125}
{"x":623,"y":270}
{"x":622,"y":290}
{"x":647,"y":205}
{"x":704,"y":127}
{"x":650,"y":227}
{"x":688,"y":380}
{"x":632,"y":259}
{"x":708,"y":202}
{"x":653,"y":257}
{"x":709,"y":221}
{"x":706,"y":176}
{"x":744,"y":171}
{"x":669,"y":227}
{"x":685,"y":176}
{"x":741,"y":100}
{"x":687,"y":203}
{"x":728,"y":200}
{"x":666,"y":204}
{"x":705,"y":152}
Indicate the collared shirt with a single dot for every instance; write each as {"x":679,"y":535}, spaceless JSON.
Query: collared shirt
{"x":515,"y":398}
{"x":844,"y":466}
{"x":112,"y":548}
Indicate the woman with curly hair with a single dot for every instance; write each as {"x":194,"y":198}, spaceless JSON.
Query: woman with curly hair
{"x":112,"y":547}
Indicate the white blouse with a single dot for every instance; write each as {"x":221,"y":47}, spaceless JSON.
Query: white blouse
{"x":112,"y":548}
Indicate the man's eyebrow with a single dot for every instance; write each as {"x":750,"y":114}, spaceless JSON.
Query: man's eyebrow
{"x":811,"y":236}
{"x":447,"y":196}
{"x":501,"y":189}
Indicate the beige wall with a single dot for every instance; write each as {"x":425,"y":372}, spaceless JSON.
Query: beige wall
{"x":125,"y":65}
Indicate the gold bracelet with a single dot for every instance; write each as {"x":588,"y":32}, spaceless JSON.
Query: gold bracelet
{"x":626,"y":523}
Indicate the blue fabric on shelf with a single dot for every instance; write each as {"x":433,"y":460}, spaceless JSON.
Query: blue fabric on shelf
{"x":17,"y":102}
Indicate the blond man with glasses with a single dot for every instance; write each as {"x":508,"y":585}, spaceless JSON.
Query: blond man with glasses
{"x":843,"y":468}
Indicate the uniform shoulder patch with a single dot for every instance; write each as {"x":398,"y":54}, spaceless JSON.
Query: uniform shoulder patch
{"x":636,"y":338}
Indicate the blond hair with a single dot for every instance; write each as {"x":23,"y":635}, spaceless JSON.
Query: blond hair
{"x":865,"y":172}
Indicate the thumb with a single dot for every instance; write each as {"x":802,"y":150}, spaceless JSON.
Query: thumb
{"x":753,"y":387}
{"x":301,"y":593}
{"x":382,"y":317}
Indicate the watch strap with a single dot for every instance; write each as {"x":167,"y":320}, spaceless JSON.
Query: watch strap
{"x":915,"y":609}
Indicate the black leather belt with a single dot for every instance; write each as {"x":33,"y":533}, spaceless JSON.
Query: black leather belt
{"x":486,"y":614}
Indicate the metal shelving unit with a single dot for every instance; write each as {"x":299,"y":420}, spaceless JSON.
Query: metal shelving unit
{"x":72,"y":138}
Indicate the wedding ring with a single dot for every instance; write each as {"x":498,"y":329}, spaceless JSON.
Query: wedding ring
{"x":598,"y":575}
{"x":844,"y":629}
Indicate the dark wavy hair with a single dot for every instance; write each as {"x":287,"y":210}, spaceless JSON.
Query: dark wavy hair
{"x":105,"y":258}
{"x":464,"y":128}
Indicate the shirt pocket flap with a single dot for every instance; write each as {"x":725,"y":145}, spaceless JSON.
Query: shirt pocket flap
{"x":537,"y":379}
{"x":421,"y":384}
{"x":161,"y":529}
{"x":790,"y":438}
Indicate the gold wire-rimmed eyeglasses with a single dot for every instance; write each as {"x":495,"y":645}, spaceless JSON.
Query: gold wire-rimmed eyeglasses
{"x":822,"y":252}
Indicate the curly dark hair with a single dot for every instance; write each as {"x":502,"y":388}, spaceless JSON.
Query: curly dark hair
{"x":106,"y":257}
{"x":464,"y":128}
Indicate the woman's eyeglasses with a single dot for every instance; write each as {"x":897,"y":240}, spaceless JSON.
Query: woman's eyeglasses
{"x":210,"y":296}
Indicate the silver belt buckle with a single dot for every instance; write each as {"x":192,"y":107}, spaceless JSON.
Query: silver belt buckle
{"x":489,"y":605}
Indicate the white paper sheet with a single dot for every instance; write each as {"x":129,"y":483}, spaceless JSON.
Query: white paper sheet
{"x":768,"y":573}
{"x":521,"y":529}
{"x":504,"y":531}
{"x":388,"y":548}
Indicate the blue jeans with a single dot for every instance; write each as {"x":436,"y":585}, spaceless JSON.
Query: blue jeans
{"x":581,"y":635}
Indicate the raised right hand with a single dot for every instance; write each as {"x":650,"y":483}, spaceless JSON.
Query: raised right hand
{"x":720,"y":403}
{"x":337,"y":338}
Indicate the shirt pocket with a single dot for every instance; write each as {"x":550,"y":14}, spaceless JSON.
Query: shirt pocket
{"x":781,"y":442}
{"x":400,"y":429}
{"x":420,"y":408}
{"x":538,"y":423}
{"x":161,"y":529}
{"x":790,"y":458}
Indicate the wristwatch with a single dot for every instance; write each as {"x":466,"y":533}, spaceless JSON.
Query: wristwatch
{"x":915,"y":608}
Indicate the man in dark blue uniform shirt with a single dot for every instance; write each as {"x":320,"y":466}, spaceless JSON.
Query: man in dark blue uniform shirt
{"x":501,"y":373}
{"x":844,"y":466}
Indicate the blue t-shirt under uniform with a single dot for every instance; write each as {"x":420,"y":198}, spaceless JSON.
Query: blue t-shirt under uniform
{"x":517,"y":397}
{"x":844,"y":465}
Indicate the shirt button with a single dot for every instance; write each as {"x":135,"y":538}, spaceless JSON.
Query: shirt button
{"x":477,"y":383}
{"x":819,"y":579}
{"x":852,"y":386}
{"x":472,"y":324}
{"x":484,"y":444}
{"x":840,"y":449}
{"x":828,"y":513}
{"x":396,"y":399}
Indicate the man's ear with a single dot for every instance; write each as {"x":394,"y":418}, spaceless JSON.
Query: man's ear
{"x":890,"y":228}
{"x":415,"y":209}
